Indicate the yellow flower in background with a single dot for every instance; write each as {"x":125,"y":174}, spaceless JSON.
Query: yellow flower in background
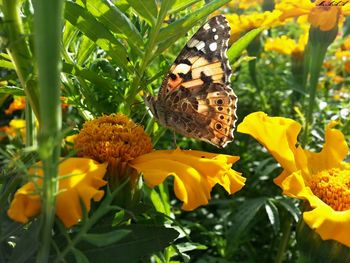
{"x":286,"y":45}
{"x":15,"y":127}
{"x":319,"y":13}
{"x":244,"y":23}
{"x":116,"y":139}
{"x":195,"y":173}
{"x":19,"y":103}
{"x":79,"y":180}
{"x":245,"y":4}
{"x":322,"y":179}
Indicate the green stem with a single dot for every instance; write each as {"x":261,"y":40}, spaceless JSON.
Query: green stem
{"x":149,"y":52}
{"x":315,"y":54}
{"x":30,"y":126}
{"x":18,"y":50}
{"x":285,"y":239}
{"x":48,"y":28}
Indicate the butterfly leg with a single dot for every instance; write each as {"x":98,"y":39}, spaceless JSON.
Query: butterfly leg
{"x":174,"y":133}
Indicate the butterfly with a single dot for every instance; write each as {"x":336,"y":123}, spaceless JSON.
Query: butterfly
{"x":195,"y":98}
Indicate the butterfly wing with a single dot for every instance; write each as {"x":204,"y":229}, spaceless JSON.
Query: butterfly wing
{"x":195,"y":98}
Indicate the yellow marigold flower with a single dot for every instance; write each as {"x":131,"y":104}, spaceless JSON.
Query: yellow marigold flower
{"x":81,"y":179}
{"x":112,"y":137}
{"x":244,"y":23}
{"x":286,"y":45}
{"x":322,"y":179}
{"x":195,"y":173}
{"x":319,"y":15}
{"x":245,"y":4}
{"x":15,"y":127}
{"x":125,"y":146}
{"x":19,"y":103}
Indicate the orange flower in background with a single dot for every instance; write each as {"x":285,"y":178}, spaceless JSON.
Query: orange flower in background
{"x":322,"y":179}
{"x":81,"y":179}
{"x":15,"y":127}
{"x":19,"y":103}
{"x":321,"y":14}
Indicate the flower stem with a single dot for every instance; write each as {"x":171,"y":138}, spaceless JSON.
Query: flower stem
{"x":48,"y":28}
{"x":285,"y":238}
{"x":19,"y":51}
{"x":315,"y":53}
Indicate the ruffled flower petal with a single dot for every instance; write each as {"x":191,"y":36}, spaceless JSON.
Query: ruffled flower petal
{"x":81,"y":179}
{"x":327,"y":222}
{"x":194,"y":172}
{"x":334,"y":151}
{"x":277,"y":134}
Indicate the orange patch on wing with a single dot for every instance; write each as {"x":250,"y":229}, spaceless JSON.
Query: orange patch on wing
{"x":174,"y":83}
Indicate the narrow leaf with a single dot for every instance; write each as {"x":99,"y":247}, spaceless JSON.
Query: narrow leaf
{"x":115,"y":20}
{"x":6,"y":64}
{"x":12,"y":90}
{"x":180,"y":27}
{"x":241,"y":44}
{"x":241,"y":220}
{"x":273,"y":215}
{"x":105,"y":239}
{"x":96,"y":31}
{"x":144,"y":240}
{"x":79,"y":256}
{"x":180,"y":5}
{"x":146,"y":9}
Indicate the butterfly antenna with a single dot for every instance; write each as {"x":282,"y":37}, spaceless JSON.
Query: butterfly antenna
{"x":175,"y":145}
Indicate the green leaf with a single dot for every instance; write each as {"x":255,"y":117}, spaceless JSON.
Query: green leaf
{"x":241,"y":44}
{"x":88,"y":75}
{"x":180,"y":27}
{"x":12,"y":90}
{"x":180,"y":5}
{"x":97,"y":32}
{"x":144,"y":240}
{"x":241,"y":221}
{"x":273,"y":215}
{"x":79,"y":256}
{"x":105,"y":239}
{"x":291,"y":207}
{"x":146,"y":9}
{"x":6,"y":64}
{"x":113,"y":19}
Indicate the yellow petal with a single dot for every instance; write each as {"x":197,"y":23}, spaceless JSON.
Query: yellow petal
{"x":194,"y":172}
{"x":25,"y":204}
{"x":81,"y":179}
{"x":277,"y":134}
{"x":334,"y":151}
{"x":327,"y":222}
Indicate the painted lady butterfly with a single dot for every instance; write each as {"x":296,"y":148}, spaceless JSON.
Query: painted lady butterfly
{"x":195,"y":98}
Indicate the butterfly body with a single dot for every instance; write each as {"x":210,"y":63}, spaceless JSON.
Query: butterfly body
{"x":195,"y":98}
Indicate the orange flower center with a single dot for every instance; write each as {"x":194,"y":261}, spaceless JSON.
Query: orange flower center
{"x":333,"y":187}
{"x":112,"y":137}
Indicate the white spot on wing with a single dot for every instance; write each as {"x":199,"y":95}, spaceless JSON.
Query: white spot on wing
{"x":213,"y":29}
{"x":206,"y":26}
{"x":213,"y":46}
{"x":182,"y":68}
{"x":216,"y":37}
{"x":200,"y":45}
